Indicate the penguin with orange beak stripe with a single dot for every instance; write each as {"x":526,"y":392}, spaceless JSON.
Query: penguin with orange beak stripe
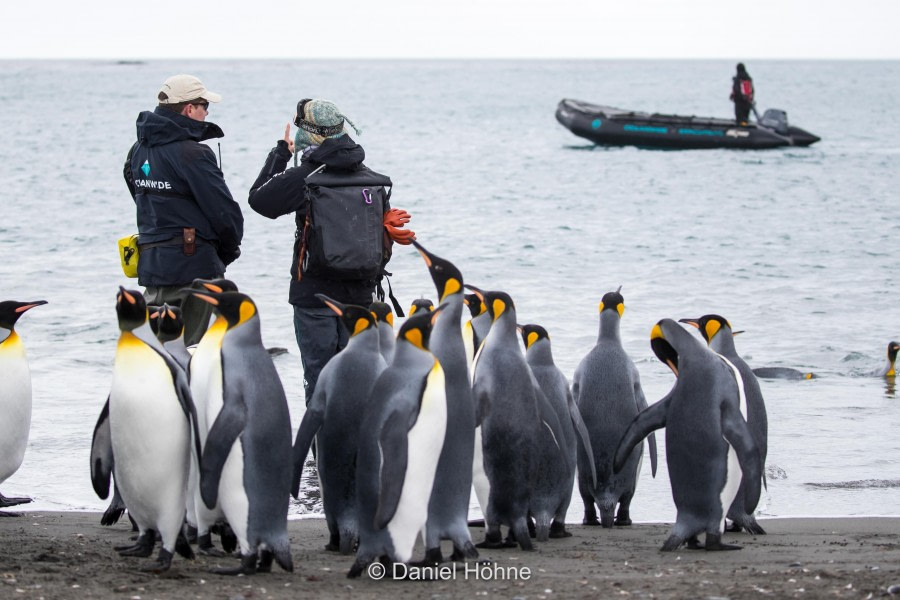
{"x":384,"y":317}
{"x":708,"y":444}
{"x":333,"y":418}
{"x":15,"y":396}
{"x":246,"y":461}
{"x":717,"y":332}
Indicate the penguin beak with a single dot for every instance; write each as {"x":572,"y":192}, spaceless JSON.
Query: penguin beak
{"x":126,"y":295}
{"x":332,"y":304}
{"x":423,"y":252}
{"x":663,"y":349}
{"x":30,"y":305}
{"x":205,"y":296}
{"x":211,"y":287}
{"x":475,"y":291}
{"x":693,"y":322}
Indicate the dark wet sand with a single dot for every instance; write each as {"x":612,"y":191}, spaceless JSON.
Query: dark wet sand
{"x":69,"y":555}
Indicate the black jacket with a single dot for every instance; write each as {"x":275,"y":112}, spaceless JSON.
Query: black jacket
{"x":176,"y":183}
{"x":278,"y":192}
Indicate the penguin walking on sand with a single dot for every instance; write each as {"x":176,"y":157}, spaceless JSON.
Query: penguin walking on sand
{"x":708,"y":443}
{"x":717,"y":332}
{"x":400,"y":442}
{"x":147,"y":426}
{"x":15,"y":396}
{"x":448,"y":509}
{"x":607,"y":390}
{"x":246,"y":465}
{"x":555,"y":387}
{"x":384,"y":317}
{"x":333,"y":418}
{"x":511,"y":425}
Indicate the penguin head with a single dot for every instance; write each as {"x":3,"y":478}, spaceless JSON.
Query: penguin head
{"x":131,"y":308}
{"x":476,"y":306}
{"x":11,"y":310}
{"x":153,"y":318}
{"x":169,"y":323}
{"x":892,"y":350}
{"x":447,"y":278}
{"x":382,"y":312}
{"x":423,"y":304}
{"x":613,"y":301}
{"x":236,"y":308}
{"x":355,"y":318}
{"x":710,"y":325}
{"x":214,"y":285}
{"x":498,"y":304}
{"x":416,"y":330}
{"x":533,"y":333}
{"x":661,"y":347}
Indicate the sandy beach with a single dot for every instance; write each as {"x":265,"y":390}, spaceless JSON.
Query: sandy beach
{"x":70,"y":555}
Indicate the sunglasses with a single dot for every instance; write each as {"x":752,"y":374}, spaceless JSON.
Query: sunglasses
{"x":205,"y":105}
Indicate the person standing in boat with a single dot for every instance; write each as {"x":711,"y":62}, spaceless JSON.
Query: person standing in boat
{"x":742,"y":94}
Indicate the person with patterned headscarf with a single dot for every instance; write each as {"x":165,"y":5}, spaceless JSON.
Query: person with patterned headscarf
{"x":321,"y":139}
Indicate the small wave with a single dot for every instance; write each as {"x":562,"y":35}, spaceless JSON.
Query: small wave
{"x":862,"y":484}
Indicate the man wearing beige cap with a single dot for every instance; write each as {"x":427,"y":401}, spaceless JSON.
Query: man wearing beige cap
{"x":190,"y":226}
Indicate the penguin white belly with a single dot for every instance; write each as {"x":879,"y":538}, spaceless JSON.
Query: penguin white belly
{"x":425,"y":441}
{"x":733,"y":472}
{"x":233,"y":501}
{"x":15,"y":405}
{"x":468,"y":333}
{"x":480,"y":481}
{"x":150,"y":438}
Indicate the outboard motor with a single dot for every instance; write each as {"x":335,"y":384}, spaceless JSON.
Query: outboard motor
{"x":776,"y":119}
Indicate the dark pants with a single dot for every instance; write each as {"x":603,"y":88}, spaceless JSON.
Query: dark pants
{"x":195,"y":312}
{"x":320,"y":335}
{"x":742,"y":111}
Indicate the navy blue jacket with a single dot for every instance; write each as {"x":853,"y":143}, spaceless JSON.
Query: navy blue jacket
{"x":278,"y":192}
{"x":176,"y":183}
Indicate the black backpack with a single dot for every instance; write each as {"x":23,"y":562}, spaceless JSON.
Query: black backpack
{"x":343,"y":236}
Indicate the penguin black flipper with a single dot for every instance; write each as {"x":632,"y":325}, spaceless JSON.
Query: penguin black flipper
{"x":646,"y":421}
{"x":584,"y":438}
{"x":224,"y":432}
{"x":394,"y":459}
{"x":737,"y":433}
{"x":641,"y":402}
{"x":312,"y":422}
{"x":115,"y":510}
{"x":102,"y":454}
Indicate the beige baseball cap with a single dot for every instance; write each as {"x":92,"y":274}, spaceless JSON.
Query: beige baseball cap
{"x":184,"y":88}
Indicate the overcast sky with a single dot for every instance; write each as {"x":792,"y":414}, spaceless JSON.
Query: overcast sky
{"x":147,"y":29}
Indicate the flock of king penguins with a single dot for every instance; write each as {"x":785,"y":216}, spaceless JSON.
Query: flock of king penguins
{"x":404,"y":428}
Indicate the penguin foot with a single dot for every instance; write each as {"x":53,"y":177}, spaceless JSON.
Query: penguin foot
{"x":558,"y":530}
{"x":4,"y":501}
{"x":142,"y":549}
{"x":190,"y":532}
{"x":357,"y":569}
{"x":161,"y":564}
{"x":733,"y":527}
{"x":467,"y":552}
{"x":476,"y":523}
{"x":693,"y":543}
{"x":494,"y":541}
{"x":10,"y":514}
{"x":206,"y":548}
{"x":591,"y":521}
{"x":714,"y":543}
{"x":532,"y":528}
{"x":751,"y":526}
{"x":672,"y":543}
{"x":620,"y":522}
{"x":265,"y":562}
{"x":112,"y":515}
{"x":182,"y":546}
{"x":226,"y":536}
{"x":433,"y":558}
{"x":248,"y":567}
{"x":334,"y":543}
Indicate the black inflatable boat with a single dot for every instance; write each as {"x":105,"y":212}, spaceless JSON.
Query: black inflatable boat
{"x":616,"y":127}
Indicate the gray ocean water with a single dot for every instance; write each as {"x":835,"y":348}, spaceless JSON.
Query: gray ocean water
{"x":797,"y":247}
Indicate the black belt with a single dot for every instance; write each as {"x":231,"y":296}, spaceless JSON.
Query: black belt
{"x":175,"y":241}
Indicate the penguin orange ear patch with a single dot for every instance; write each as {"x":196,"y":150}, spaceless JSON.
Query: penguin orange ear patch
{"x":620,"y":308}
{"x":451,"y":287}
{"x":712,"y":328}
{"x":414,"y":337}
{"x":361,"y":325}
{"x":532,"y":338}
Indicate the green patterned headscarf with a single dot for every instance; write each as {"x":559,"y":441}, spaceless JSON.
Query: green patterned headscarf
{"x":318,"y":120}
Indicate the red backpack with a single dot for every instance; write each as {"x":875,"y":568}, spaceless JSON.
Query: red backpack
{"x":747,"y":89}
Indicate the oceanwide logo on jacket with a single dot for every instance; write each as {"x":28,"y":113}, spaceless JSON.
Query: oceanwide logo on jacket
{"x":150,"y":183}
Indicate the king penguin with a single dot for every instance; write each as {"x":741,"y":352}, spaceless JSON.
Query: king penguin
{"x":511,"y":424}
{"x":147,"y":426}
{"x":717,"y":332}
{"x":333,"y":418}
{"x":607,"y":390}
{"x":477,"y":326}
{"x":205,"y":377}
{"x":555,"y":387}
{"x":400,"y":442}
{"x":170,"y":332}
{"x":708,"y":443}
{"x":420,"y":304}
{"x":15,"y":396}
{"x":384,"y":317}
{"x":890,"y":370}
{"x":448,"y":509}
{"x":246,"y":464}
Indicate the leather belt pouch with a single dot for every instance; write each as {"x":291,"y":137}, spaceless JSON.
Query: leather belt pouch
{"x":190,"y":241}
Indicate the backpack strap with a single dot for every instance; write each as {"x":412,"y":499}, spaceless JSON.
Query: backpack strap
{"x":379,"y":293}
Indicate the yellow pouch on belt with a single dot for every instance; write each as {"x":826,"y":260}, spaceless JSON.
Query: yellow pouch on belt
{"x":128,"y":254}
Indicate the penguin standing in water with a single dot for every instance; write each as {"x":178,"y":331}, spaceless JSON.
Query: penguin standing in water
{"x":15,"y":396}
{"x":717,"y":332}
{"x":607,"y":390}
{"x":384,"y":317}
{"x":511,"y":424}
{"x":448,"y":509}
{"x":890,"y":370}
{"x":246,"y":465}
{"x":333,"y":418}
{"x":708,"y":444}
{"x":147,"y":425}
{"x":555,"y":387}
{"x":400,"y":442}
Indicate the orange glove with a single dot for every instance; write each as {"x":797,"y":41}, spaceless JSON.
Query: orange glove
{"x":396,"y":217}
{"x":401,"y":236}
